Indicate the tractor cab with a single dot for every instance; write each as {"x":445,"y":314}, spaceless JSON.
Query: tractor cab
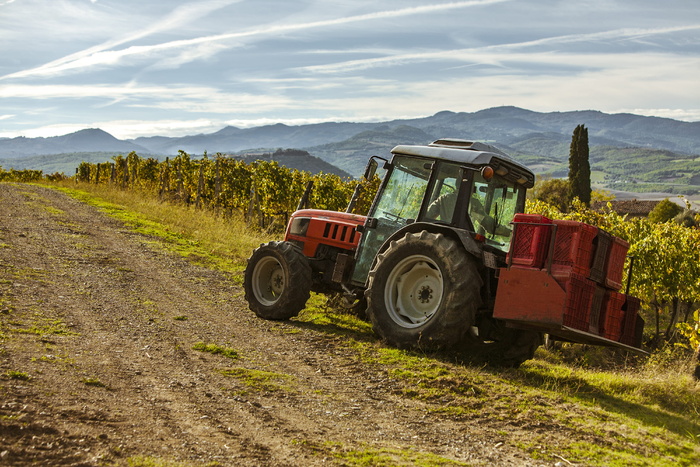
{"x":459,"y":186}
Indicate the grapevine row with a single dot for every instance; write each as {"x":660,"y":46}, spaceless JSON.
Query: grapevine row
{"x":263,"y":190}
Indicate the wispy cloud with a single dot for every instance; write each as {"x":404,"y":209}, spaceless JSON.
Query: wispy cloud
{"x":494,"y":54}
{"x":85,"y":91}
{"x":101,"y":55}
{"x":191,"y":99}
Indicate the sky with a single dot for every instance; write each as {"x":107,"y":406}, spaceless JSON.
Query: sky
{"x":173,"y":68}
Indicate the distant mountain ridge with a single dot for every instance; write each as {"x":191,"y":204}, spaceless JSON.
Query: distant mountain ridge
{"x":507,"y":125}
{"x":88,"y":140}
{"x":538,"y":139}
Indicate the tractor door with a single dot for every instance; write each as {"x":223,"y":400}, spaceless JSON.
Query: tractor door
{"x":398,"y":204}
{"x":491,"y":209}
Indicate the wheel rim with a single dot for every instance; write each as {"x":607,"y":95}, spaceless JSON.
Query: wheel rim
{"x":413,"y":292}
{"x":268,"y":281}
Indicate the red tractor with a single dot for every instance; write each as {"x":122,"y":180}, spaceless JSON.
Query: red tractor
{"x":444,"y":258}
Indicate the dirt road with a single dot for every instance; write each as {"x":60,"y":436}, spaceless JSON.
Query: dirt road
{"x":99,"y":331}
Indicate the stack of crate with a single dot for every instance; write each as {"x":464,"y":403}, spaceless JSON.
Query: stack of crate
{"x":588,"y":263}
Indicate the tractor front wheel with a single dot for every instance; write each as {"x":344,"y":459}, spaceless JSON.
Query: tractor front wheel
{"x":423,"y":291}
{"x":277,"y":281}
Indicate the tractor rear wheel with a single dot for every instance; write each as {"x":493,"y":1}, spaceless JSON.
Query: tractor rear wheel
{"x":277,"y":281}
{"x":423,"y":291}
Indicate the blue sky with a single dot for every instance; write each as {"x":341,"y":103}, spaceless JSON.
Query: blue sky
{"x":168,"y":67}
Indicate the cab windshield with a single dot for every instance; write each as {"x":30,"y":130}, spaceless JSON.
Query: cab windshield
{"x":403,"y":195}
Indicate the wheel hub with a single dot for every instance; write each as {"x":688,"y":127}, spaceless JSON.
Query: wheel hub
{"x":268,"y":280}
{"x":277,"y":281}
{"x":414,"y":291}
{"x":425,"y":294}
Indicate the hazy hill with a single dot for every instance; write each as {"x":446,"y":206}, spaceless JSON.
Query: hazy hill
{"x":509,"y":126}
{"x":295,"y":159}
{"x":232,"y":139}
{"x":667,"y":149}
{"x":66,"y":163}
{"x":51,"y":163}
{"x":89,"y":140}
{"x":352,"y":154}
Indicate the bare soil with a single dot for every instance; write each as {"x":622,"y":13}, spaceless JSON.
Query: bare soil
{"x":97,"y":365}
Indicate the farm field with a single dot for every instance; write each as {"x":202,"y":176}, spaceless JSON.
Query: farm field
{"x":117,"y":350}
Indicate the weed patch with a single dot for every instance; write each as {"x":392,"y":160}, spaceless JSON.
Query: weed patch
{"x":148,"y":461}
{"x":94,"y":382}
{"x":320,"y":316}
{"x":44,"y":326}
{"x":260,"y":380}
{"x":380,"y":457}
{"x":216,"y":350}
{"x":20,"y":375}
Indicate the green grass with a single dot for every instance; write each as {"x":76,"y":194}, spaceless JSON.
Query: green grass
{"x":148,"y":461}
{"x":318,"y":314}
{"x":260,"y":380}
{"x":42,"y":326}
{"x":94,"y":382}
{"x":216,"y":350}
{"x":371,"y":456}
{"x":19,"y":375}
{"x":386,"y":457}
{"x":621,"y":413}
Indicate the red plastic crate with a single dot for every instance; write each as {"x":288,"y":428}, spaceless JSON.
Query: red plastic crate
{"x":530,"y":243}
{"x":614,"y":315}
{"x":594,"y":322}
{"x":573,"y":247}
{"x":615,"y":264}
{"x":601,"y":249}
{"x":579,"y":299}
{"x":629,"y":325}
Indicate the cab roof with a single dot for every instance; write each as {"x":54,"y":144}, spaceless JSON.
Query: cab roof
{"x":474,"y":154}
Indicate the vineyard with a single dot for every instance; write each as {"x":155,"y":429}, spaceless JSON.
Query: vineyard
{"x":263,"y":191}
{"x":666,"y":256}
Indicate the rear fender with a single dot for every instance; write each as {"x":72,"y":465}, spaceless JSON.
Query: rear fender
{"x":470,"y":245}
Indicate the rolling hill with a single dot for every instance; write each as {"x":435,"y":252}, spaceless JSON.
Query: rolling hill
{"x":665,"y":150}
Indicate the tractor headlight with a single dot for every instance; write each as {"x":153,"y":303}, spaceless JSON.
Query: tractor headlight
{"x":299,"y":226}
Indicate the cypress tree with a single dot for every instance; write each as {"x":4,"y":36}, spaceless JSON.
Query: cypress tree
{"x":579,"y":166}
